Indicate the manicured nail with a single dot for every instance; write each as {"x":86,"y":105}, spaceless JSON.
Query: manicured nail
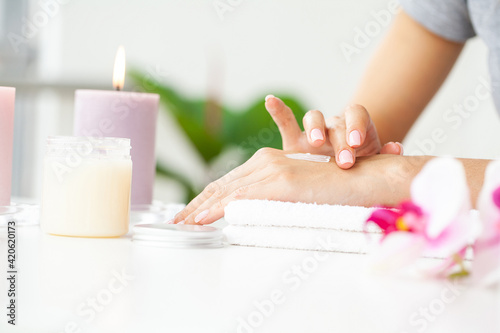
{"x":354,"y":138}
{"x":201,"y":216}
{"x":316,"y":135}
{"x":345,"y":157}
{"x":269,"y":96}
{"x":402,"y":149}
{"x":180,"y":222}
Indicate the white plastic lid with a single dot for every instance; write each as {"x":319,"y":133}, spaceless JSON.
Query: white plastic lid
{"x":177,"y":235}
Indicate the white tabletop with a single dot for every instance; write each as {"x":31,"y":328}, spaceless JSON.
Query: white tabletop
{"x":226,"y":290}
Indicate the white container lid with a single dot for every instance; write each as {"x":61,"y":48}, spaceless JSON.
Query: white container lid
{"x":177,"y":235}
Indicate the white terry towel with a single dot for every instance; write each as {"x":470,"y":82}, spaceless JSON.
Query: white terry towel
{"x":294,"y":238}
{"x":298,"y":214}
{"x":300,"y":226}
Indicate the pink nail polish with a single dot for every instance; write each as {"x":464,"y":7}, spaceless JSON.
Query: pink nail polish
{"x":402,"y":149}
{"x":316,"y":135}
{"x":269,"y":96}
{"x":354,"y":138}
{"x":346,"y":157}
{"x":201,"y":216}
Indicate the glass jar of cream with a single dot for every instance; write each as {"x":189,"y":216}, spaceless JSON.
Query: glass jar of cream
{"x":86,"y":187}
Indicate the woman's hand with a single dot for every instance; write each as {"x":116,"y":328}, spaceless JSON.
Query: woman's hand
{"x":269,"y":174}
{"x":346,"y":137}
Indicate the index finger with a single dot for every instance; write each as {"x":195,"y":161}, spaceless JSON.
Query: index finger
{"x":285,"y":119}
{"x":357,"y":121}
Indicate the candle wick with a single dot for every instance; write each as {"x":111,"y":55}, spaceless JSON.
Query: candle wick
{"x":117,"y":88}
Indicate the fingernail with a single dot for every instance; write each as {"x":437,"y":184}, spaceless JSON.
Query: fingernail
{"x":269,"y":96}
{"x":402,"y":149}
{"x":201,"y":216}
{"x":316,"y":135}
{"x":181,"y":222}
{"x":171,"y":221}
{"x":354,"y":138}
{"x":345,"y":157}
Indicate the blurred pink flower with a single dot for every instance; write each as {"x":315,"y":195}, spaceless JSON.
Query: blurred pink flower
{"x":486,"y":264}
{"x":435,"y":223}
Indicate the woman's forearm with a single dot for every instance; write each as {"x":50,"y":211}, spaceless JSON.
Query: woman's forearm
{"x":401,"y":170}
{"x":403,"y":76}
{"x":270,"y":174}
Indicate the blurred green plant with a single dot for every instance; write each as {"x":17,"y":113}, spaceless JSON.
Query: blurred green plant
{"x":213,"y":128}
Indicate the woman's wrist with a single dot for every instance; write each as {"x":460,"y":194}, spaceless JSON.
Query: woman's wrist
{"x":387,"y":178}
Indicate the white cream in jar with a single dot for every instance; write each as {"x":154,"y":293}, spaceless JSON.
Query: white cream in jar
{"x":86,"y":187}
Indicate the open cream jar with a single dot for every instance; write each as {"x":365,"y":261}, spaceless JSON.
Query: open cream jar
{"x":86,"y":187}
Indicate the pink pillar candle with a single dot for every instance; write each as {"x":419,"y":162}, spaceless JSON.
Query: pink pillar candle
{"x":123,"y":114}
{"x":7,"y":100}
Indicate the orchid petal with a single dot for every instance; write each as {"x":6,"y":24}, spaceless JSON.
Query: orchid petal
{"x":410,"y":207}
{"x":440,"y":189}
{"x":486,"y":204}
{"x":413,"y":217}
{"x":453,"y":239}
{"x":496,"y":197}
{"x":441,"y":267}
{"x":486,"y":264}
{"x":398,"y":251}
{"x":385,"y":219}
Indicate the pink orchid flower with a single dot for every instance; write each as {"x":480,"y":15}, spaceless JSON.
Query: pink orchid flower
{"x":435,"y":223}
{"x":486,"y":264}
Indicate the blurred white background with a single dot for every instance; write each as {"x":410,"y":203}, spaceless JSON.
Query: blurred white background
{"x":252,"y":49}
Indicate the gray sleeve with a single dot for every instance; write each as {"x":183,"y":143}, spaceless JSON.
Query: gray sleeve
{"x":446,"y":18}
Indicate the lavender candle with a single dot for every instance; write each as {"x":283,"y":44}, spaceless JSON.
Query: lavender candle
{"x":123,"y":114}
{"x":7,"y":100}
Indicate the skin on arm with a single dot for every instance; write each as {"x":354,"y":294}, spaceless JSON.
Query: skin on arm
{"x":269,"y":174}
{"x":407,"y":167}
{"x":403,"y":76}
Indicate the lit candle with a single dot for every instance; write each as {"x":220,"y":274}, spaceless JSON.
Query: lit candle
{"x":123,"y":114}
{"x":7,"y":99}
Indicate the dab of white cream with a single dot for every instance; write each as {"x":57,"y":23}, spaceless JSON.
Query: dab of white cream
{"x":309,"y":157}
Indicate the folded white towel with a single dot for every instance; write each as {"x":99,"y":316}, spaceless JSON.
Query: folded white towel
{"x":304,"y":215}
{"x":300,"y":226}
{"x":300,"y":238}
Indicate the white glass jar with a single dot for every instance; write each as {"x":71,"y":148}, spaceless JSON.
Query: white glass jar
{"x":86,"y":187}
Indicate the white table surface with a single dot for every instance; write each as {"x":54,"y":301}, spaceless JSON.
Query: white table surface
{"x":210,"y":290}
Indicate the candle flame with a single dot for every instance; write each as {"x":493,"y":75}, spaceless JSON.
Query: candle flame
{"x":119,"y":69}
